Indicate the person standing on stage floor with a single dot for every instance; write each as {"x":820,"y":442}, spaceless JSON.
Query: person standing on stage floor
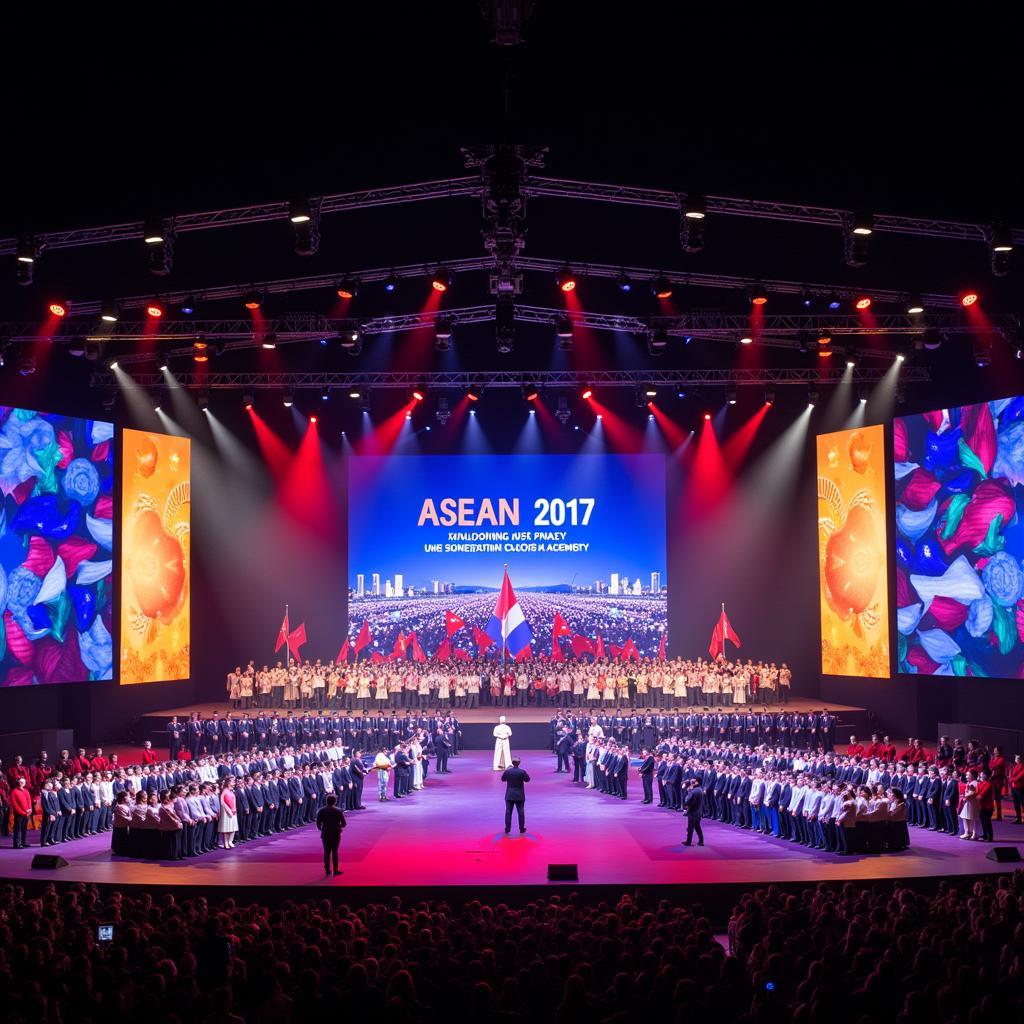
{"x":330,"y":820}
{"x":515,"y":779}
{"x":646,"y":771}
{"x":694,"y":805}
{"x":21,"y":805}
{"x":382,"y":765}
{"x":502,"y":748}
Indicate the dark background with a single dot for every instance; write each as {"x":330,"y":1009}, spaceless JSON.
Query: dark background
{"x":114,"y":121}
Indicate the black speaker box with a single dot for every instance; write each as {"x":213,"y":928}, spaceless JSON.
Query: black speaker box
{"x":1004,"y":854}
{"x":563,"y":873}
{"x":48,"y":860}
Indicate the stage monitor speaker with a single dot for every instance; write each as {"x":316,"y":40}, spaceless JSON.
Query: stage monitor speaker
{"x":48,"y":861}
{"x":563,"y":873}
{"x":1004,"y":854}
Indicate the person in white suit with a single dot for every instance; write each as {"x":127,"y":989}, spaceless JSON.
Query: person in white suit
{"x":502,"y":750}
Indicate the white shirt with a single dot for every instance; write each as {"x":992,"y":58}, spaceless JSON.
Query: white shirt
{"x":797,"y":798}
{"x":757,"y":791}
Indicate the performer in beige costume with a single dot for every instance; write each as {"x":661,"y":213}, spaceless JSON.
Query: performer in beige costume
{"x":502,"y":751}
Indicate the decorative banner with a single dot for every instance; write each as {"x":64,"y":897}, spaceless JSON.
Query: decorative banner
{"x":852,"y":553}
{"x":56,"y":548}
{"x":156,"y":557}
{"x":959,"y":540}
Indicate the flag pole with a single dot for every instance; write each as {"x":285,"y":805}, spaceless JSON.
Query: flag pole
{"x":287,"y":645}
{"x":503,"y":637}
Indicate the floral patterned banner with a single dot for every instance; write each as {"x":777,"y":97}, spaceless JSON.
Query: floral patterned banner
{"x":156,"y":557}
{"x":852,"y":553}
{"x":56,"y":548}
{"x":959,"y":540}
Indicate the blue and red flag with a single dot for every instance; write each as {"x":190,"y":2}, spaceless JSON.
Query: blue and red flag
{"x":507,"y":623}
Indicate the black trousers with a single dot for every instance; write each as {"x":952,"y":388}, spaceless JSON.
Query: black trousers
{"x":693,"y":825}
{"x":21,"y":827}
{"x":648,"y":788}
{"x":520,"y":806}
{"x":331,"y":852}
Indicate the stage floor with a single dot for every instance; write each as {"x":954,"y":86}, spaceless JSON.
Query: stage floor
{"x":452,"y":834}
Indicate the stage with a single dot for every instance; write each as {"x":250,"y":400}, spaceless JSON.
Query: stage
{"x":451,"y":835}
{"x":533,"y":722}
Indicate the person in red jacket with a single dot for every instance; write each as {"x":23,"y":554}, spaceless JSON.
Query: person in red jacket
{"x":99,"y":762}
{"x":5,"y":803}
{"x":148,"y":753}
{"x":18,"y":770}
{"x":986,"y":806}
{"x":918,"y":755}
{"x":1017,"y":786}
{"x":997,"y":774}
{"x":906,"y":754}
{"x":39,"y":772}
{"x":21,"y":804}
{"x":81,"y":764}
{"x":871,"y":750}
{"x":887,"y":750}
{"x":854,"y":749}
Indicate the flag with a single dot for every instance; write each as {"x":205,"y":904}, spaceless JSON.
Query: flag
{"x":444,"y":652}
{"x":481,"y":639}
{"x":661,"y":648}
{"x":723,"y":631}
{"x":560,"y":628}
{"x":364,"y":638}
{"x":581,"y":645}
{"x":599,"y":647}
{"x":376,"y":658}
{"x":282,"y":636}
{"x":417,"y":651}
{"x":557,"y":654}
{"x":629,"y":650}
{"x":343,"y":653}
{"x":296,"y":639}
{"x":399,"y":649}
{"x":507,"y":623}
{"x":524,"y":653}
{"x":452,"y":622}
{"x":461,"y":655}
{"x":615,"y":651}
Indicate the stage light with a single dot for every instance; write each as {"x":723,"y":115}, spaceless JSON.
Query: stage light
{"x":58,"y":308}
{"x":156,"y":405}
{"x":851,"y":358}
{"x":354,"y":393}
{"x":806,"y":298}
{"x":27,"y":250}
{"x":900,"y":357}
{"x":862,"y":395}
{"x":746,"y":339}
{"x":24,"y":274}
{"x":969,"y":298}
{"x":834,"y":302}
{"x":599,"y":416}
{"x":824,"y":339}
{"x":812,"y":397}
{"x":313,"y":419}
{"x":932,"y":339}
{"x":298,"y":211}
{"x":624,"y":283}
{"x":204,"y":401}
{"x":695,"y":206}
{"x":76,"y":347}
{"x":325,"y":394}
{"x":530,"y":392}
{"x":691,"y":224}
{"x":730,"y":396}
{"x":707,"y":416}
{"x":824,"y":352}
{"x":247,"y":400}
{"x":289,"y":398}
{"x":587,"y":391}
{"x":92,"y":351}
{"x":758,"y":295}
{"x":473,"y":393}
{"x":915,"y":305}
{"x":350,"y":339}
{"x":857,"y":238}
{"x":651,"y":391}
{"x":505,"y":323}
{"x":657,"y":341}
{"x":661,"y":287}
{"x":347,"y":289}
{"x":803,"y":342}
{"x":391,"y":283}
{"x":563,"y":413}
{"x":441,"y":281}
{"x":199,"y":351}
{"x":188,"y":306}
{"x":982,"y":352}
{"x":155,"y":309}
{"x":443,"y":413}
{"x":769,"y":396}
{"x":443,"y":334}
{"x":419,"y":392}
{"x":863,"y":223}
{"x":565,"y":279}
{"x":1002,"y":238}
{"x":269,"y":340}
{"x":253,"y":299}
{"x":862,"y":302}
{"x":563,"y":333}
{"x":113,"y":364}
{"x":27,"y":361}
{"x":153,"y":231}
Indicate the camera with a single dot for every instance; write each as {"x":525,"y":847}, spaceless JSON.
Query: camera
{"x":104,"y":933}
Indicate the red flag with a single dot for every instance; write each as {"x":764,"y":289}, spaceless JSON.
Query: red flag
{"x":723,"y":631}
{"x":557,"y":654}
{"x":661,"y":648}
{"x":364,"y":639}
{"x":282,"y":636}
{"x":461,"y":655}
{"x":525,"y":654}
{"x":417,"y":651}
{"x":399,"y":649}
{"x":444,"y":652}
{"x":599,"y":647}
{"x":629,"y":651}
{"x":376,"y":658}
{"x":452,"y":622}
{"x":296,"y":639}
{"x":481,"y":639}
{"x":343,"y":653}
{"x":581,"y":645}
{"x":615,"y":651}
{"x":561,"y":627}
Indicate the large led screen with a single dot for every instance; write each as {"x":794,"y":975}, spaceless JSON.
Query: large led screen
{"x":156,"y":503}
{"x":583,"y":537}
{"x":959,"y":540}
{"x":56,"y":544}
{"x":852,"y":553}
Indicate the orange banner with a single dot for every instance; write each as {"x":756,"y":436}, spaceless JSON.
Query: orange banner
{"x":852,"y":553}
{"x":156,"y":505}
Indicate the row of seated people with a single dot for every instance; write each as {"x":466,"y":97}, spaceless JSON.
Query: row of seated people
{"x":806,"y":953}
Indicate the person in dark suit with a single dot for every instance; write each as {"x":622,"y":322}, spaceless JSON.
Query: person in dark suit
{"x":515,"y":794}
{"x":330,"y":820}
{"x":175,"y":732}
{"x":442,"y":747}
{"x":563,"y":747}
{"x":646,"y":771}
{"x":694,"y":807}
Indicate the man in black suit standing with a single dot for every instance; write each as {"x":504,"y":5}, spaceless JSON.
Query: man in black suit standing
{"x":646,"y":771}
{"x":694,"y":804}
{"x":515,"y":795}
{"x":330,"y":820}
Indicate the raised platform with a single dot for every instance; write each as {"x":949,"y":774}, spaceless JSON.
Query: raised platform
{"x":451,"y":835}
{"x":532,"y":722}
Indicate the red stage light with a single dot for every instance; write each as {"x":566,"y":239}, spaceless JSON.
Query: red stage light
{"x":707,"y":415}
{"x":418,"y":395}
{"x":565,"y":279}
{"x":155,"y":310}
{"x":253,"y":300}
{"x":824,"y":353}
{"x":758,"y":296}
{"x":312,"y":419}
{"x":863,"y":302}
{"x":966,"y":299}
{"x":58,"y":309}
{"x":347,"y":289}
{"x":441,"y":281}
{"x":587,"y":392}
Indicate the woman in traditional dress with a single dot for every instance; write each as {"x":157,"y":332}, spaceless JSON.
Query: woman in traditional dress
{"x":228,"y":823}
{"x":234,"y":687}
{"x":245,"y":688}
{"x":968,"y":813}
{"x":363,"y":690}
{"x":381,"y":688}
{"x":606,"y":684}
{"x":444,"y":689}
{"x":319,"y":685}
{"x":641,"y":687}
{"x":416,"y":755}
{"x":593,"y":692}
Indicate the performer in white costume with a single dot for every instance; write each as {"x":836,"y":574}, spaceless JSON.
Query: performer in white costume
{"x":502,"y":751}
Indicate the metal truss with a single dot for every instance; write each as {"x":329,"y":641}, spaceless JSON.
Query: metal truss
{"x":553,"y":379}
{"x":556,"y":188}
